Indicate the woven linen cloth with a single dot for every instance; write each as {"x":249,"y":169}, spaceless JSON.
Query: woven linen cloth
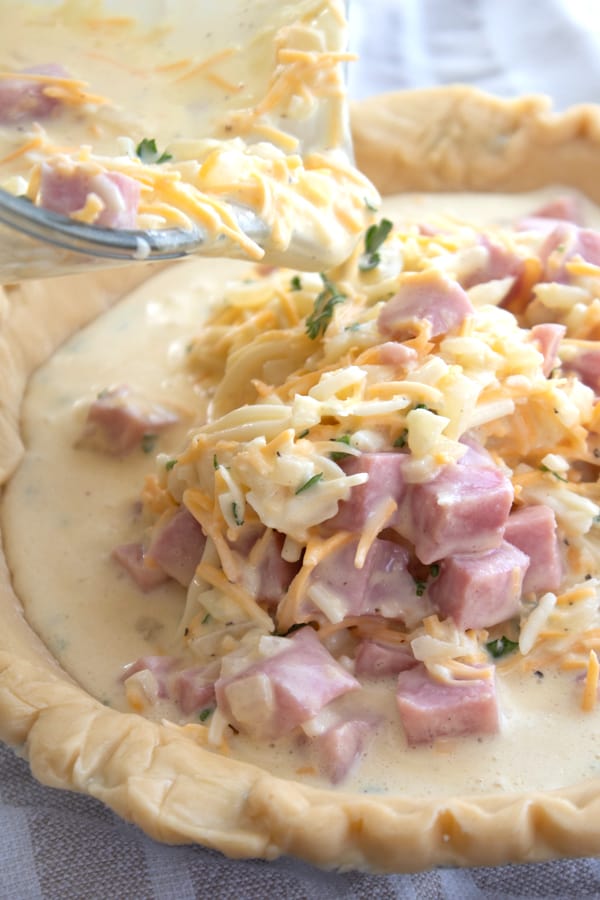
{"x":56,"y":845}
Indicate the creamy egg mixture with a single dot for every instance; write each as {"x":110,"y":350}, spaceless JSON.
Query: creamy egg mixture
{"x":67,"y":508}
{"x":197,"y":107}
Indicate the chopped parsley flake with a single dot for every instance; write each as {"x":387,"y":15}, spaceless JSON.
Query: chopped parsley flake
{"x":401,"y":439}
{"x":434,"y":570}
{"x":343,"y":439}
{"x":206,"y":619}
{"x":303,"y":434}
{"x":170,"y":463}
{"x":308,"y":484}
{"x":235,"y":513}
{"x":551,"y":472}
{"x":147,"y":151}
{"x":320,"y":317}
{"x":149,"y":442}
{"x":370,"y":206}
{"x":296,"y":283}
{"x":501,"y":647}
{"x":204,"y":714}
{"x":215,"y":461}
{"x":374,"y":238}
{"x":420,"y":587}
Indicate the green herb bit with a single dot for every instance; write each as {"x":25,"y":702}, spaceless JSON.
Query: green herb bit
{"x":205,"y":713}
{"x":434,"y":570}
{"x":147,"y":151}
{"x":370,"y":206}
{"x":354,"y":327}
{"x":327,"y":300}
{"x":501,"y":647}
{"x":596,"y":519}
{"x":296,"y":283}
{"x":303,"y":434}
{"x":170,"y":464}
{"x":551,"y":472}
{"x":235,"y":513}
{"x":149,"y":442}
{"x":401,"y":439}
{"x":374,"y":238}
{"x":420,"y":587}
{"x":215,"y":462}
{"x":343,"y":439}
{"x":308,"y":484}
{"x":205,"y":619}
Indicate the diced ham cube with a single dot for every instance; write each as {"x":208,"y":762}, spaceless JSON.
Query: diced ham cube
{"x":564,"y":243}
{"x":548,"y":337}
{"x":428,"y":295}
{"x":385,"y":482}
{"x":462,"y":510}
{"x":533,"y":530}
{"x":160,"y":666}
{"x":273,"y":696}
{"x":131,"y":557}
{"x":194,"y":687}
{"x":22,"y":99}
{"x":118,"y":422}
{"x":374,"y":659}
{"x":177,"y":545}
{"x":65,"y":190}
{"x":501,"y":262}
{"x":430,"y":709}
{"x":383,"y":586}
{"x":275,"y":574}
{"x":585,"y":363}
{"x":478,"y":590}
{"x":563,"y":209}
{"x":340,"y":748}
{"x":393,"y":353}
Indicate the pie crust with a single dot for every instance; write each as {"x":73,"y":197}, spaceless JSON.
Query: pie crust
{"x":159,"y":775}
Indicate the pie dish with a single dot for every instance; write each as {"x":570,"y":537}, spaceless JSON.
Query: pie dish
{"x":158,"y":774}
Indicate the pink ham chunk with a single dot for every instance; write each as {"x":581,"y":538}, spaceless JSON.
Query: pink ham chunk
{"x":160,"y":666}
{"x":548,"y":216}
{"x":65,"y":190}
{"x":193,"y":688}
{"x":500,"y":262}
{"x":273,"y":696}
{"x":585,"y":363}
{"x":478,"y":590}
{"x":119,"y":422}
{"x":275,"y":574}
{"x":393,"y":353}
{"x":340,"y":748}
{"x":177,"y":545}
{"x":533,"y":530}
{"x":462,"y":510}
{"x":428,"y":295}
{"x":547,"y":337}
{"x":385,"y":482}
{"x":22,"y":99}
{"x":131,"y":557}
{"x":430,"y":709}
{"x":564,"y":243}
{"x":383,"y":586}
{"x":374,"y":659}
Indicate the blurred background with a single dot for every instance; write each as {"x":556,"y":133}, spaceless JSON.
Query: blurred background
{"x":508,"y":47}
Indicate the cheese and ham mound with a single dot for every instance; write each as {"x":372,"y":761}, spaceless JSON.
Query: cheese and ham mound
{"x":258,"y":126}
{"x":397,"y":480}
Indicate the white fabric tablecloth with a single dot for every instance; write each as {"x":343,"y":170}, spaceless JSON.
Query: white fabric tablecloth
{"x":60,"y":846}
